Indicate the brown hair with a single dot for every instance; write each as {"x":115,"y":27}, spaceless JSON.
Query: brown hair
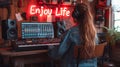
{"x":87,"y":30}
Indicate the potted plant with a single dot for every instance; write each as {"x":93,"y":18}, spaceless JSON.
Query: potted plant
{"x":113,"y":38}
{"x":112,"y":35}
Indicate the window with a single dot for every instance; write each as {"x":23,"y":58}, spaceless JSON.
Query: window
{"x":116,"y":13}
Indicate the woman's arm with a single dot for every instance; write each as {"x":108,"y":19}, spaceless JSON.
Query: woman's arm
{"x":58,"y":51}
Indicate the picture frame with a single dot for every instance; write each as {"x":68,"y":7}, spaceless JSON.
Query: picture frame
{"x":54,"y":1}
{"x":68,"y":2}
{"x":47,"y":1}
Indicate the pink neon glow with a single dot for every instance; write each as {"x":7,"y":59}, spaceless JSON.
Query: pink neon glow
{"x":63,"y":11}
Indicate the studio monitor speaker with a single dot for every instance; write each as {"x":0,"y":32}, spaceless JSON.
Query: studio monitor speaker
{"x":9,"y":29}
{"x":101,"y":37}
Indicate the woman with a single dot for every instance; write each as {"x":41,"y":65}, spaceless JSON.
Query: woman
{"x":83,"y":33}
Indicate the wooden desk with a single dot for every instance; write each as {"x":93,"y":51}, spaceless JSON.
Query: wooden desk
{"x":22,"y":53}
{"x":19,"y":59}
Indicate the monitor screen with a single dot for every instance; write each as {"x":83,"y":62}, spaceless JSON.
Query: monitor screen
{"x":37,"y":30}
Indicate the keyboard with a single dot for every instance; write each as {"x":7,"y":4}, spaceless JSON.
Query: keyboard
{"x":37,"y":45}
{"x":34,"y":44}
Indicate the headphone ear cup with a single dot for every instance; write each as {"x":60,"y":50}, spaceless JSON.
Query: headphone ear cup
{"x":76,"y":14}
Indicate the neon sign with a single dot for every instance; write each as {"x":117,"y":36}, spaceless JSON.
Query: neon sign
{"x":63,"y":11}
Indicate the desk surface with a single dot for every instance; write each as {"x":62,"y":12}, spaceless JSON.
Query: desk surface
{"x":22,"y":53}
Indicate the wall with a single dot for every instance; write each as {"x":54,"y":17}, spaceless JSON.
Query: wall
{"x":16,"y":8}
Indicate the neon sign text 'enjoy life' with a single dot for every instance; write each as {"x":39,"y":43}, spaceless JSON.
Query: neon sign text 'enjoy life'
{"x":63,"y":11}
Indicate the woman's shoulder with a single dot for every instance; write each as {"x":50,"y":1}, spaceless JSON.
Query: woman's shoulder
{"x":74,"y":28}
{"x":74,"y":31}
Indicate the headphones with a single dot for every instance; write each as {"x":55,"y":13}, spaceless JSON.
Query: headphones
{"x":79,"y":11}
{"x":76,"y":13}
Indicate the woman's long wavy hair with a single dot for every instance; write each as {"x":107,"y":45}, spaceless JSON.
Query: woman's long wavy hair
{"x":84,"y":18}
